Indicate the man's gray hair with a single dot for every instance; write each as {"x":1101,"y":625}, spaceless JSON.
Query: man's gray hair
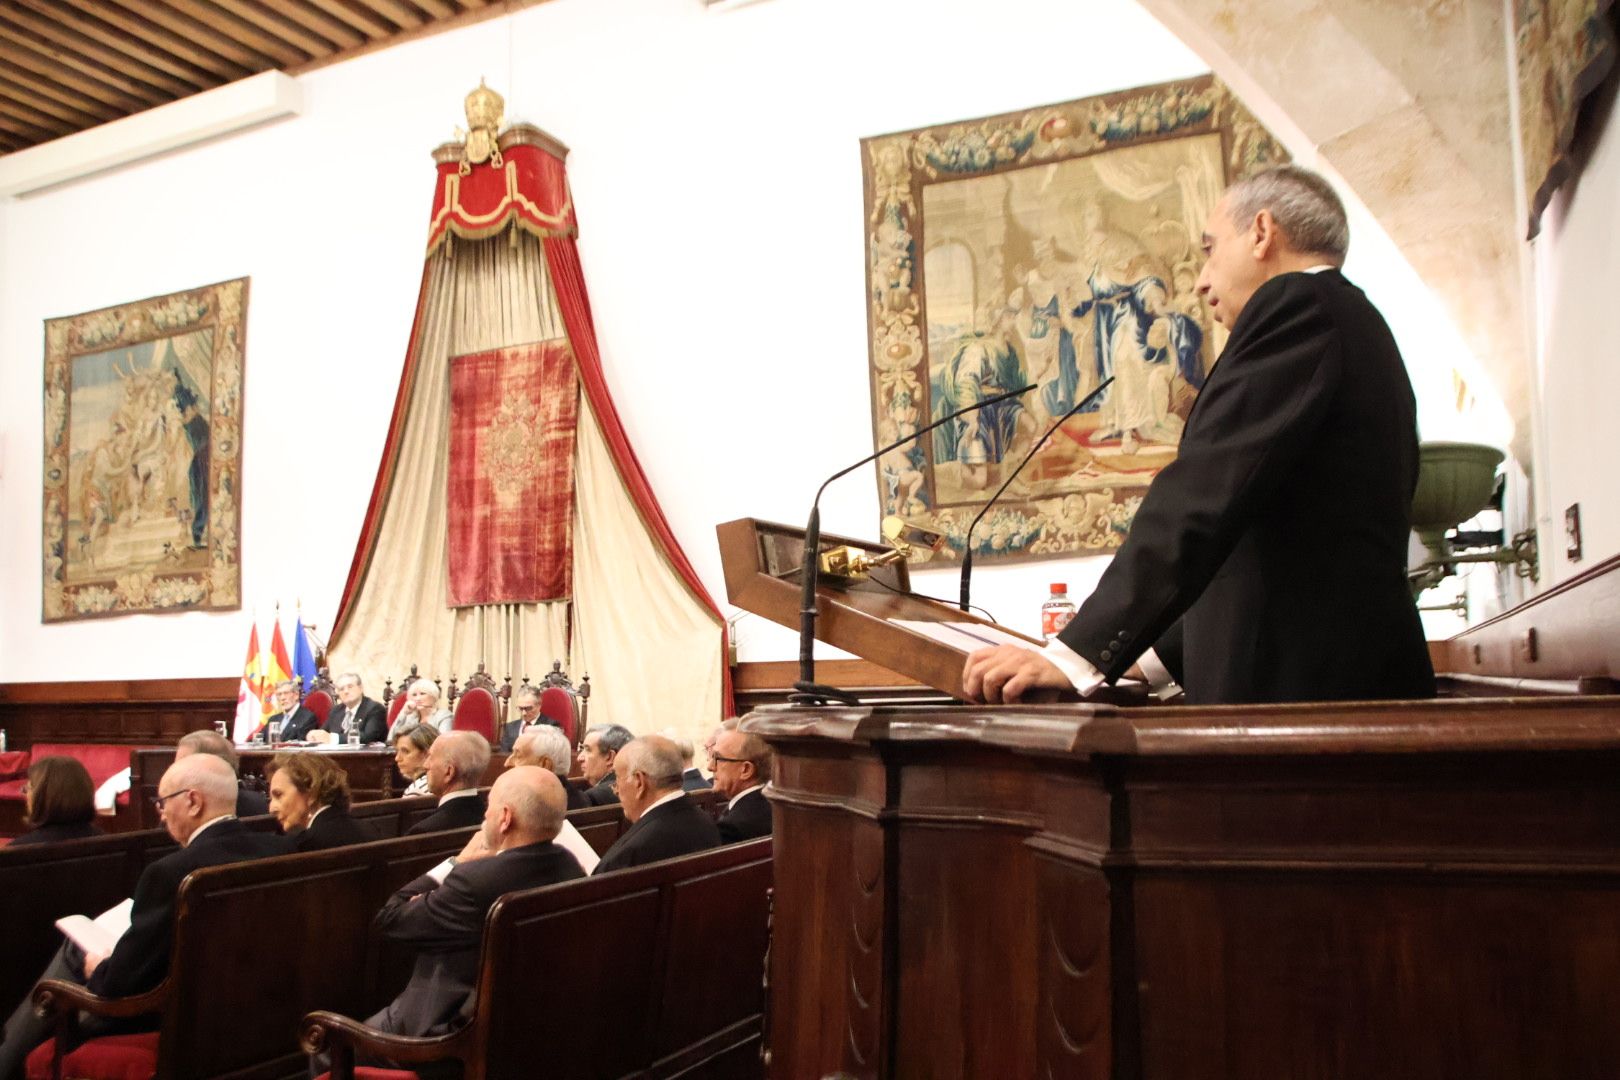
{"x":286,"y":683}
{"x":688,"y":751}
{"x":468,"y":753}
{"x":527,"y":692}
{"x":533,"y":811}
{"x":1305,"y":206}
{"x":655,"y":756}
{"x":212,"y":743}
{"x":426,"y":684}
{"x":610,"y":738}
{"x":209,"y":777}
{"x":757,"y":750}
{"x":550,"y":742}
{"x":348,"y":676}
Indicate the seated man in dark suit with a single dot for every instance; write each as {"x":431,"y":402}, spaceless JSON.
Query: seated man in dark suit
{"x":455,"y":767}
{"x":196,"y":800}
{"x":692,"y":778}
{"x":249,"y":803}
{"x":295,"y":720}
{"x":527,"y":703}
{"x":742,"y":768}
{"x":442,"y":913}
{"x":368,"y":717}
{"x":546,"y":747}
{"x":597,"y":751}
{"x":665,"y":822}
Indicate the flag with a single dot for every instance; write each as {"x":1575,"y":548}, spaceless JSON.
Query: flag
{"x":303,"y":665}
{"x":277,"y":669}
{"x":250,"y":695}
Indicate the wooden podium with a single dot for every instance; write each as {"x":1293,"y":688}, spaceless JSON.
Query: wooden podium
{"x":763,"y":562}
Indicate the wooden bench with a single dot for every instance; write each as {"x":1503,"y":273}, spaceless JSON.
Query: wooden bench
{"x":257,"y":945}
{"x":660,"y":968}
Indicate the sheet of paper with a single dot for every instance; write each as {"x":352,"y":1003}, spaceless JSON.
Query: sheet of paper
{"x":576,"y":845}
{"x":98,"y":936}
{"x":964,"y":636}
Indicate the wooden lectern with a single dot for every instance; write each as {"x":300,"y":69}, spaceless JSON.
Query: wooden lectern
{"x":763,"y":562}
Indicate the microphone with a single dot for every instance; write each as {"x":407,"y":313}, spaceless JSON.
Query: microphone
{"x":809,"y":691}
{"x":967,"y":541}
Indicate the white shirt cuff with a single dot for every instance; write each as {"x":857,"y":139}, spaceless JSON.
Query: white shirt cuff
{"x":1076,"y":668}
{"x":1158,"y":677}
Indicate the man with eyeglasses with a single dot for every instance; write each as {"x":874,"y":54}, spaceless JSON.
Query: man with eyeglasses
{"x":742,"y":768}
{"x":365,"y":716}
{"x":197,"y":803}
{"x":527,"y":703}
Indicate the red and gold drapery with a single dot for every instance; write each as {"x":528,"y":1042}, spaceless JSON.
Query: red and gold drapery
{"x":529,"y":193}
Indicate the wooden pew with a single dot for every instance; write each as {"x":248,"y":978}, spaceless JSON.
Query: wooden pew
{"x":41,"y":883}
{"x":393,"y":817}
{"x":259,"y":944}
{"x":662,"y":966}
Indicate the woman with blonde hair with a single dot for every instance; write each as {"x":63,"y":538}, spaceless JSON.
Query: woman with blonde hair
{"x":309,"y":796}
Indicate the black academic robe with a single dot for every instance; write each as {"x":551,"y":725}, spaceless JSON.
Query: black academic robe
{"x":694,"y":780}
{"x":250,"y":803}
{"x":604,"y":793}
{"x":372,"y":716}
{"x":462,"y":812}
{"x":1268,"y":561}
{"x":295,"y":727}
{"x":748,"y":820}
{"x":58,"y":830}
{"x":332,"y":827}
{"x":678,"y":827}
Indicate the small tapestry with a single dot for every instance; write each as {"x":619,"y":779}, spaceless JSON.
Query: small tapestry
{"x":513,"y":416}
{"x":1564,"y":49}
{"x":1056,"y":246}
{"x":143,"y":456}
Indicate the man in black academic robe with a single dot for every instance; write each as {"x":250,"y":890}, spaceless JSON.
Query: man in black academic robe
{"x":1267,"y":562}
{"x":456,"y":765}
{"x":742,"y":768}
{"x":665,"y":822}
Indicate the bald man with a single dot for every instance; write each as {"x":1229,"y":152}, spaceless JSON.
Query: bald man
{"x":197,"y":803}
{"x":665,"y":822}
{"x":456,"y":764}
{"x":442,"y":914}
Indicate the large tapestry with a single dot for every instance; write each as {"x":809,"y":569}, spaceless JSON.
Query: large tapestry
{"x":1057,"y":246}
{"x":1563,"y":50}
{"x":514,"y":414}
{"x":143,"y":455}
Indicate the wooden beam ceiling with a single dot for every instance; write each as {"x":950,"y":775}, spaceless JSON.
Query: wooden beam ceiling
{"x":68,"y":65}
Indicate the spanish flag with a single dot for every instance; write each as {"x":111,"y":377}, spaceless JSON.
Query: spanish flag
{"x":250,"y":696}
{"x":277,"y":669}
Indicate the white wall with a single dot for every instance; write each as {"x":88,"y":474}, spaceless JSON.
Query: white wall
{"x":717,"y":175}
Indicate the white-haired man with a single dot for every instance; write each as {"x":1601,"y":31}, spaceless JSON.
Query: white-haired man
{"x":664,"y":821}
{"x":742,"y":768}
{"x":296,"y":721}
{"x":197,"y":803}
{"x":421,"y":707}
{"x":367,"y":717}
{"x":442,"y":914}
{"x":546,"y":747}
{"x":456,"y":765}
{"x":1268,"y":561}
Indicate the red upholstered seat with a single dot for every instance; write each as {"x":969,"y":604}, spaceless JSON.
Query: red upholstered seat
{"x":394,"y":706}
{"x":13,"y":763}
{"x":100,"y":760}
{"x":475,"y":711}
{"x":112,"y":1057}
{"x":366,"y":1072}
{"x":319,"y":702}
{"x":12,"y":790}
{"x":558,"y":704}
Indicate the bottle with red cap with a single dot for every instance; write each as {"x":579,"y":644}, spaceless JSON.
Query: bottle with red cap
{"x":1056,"y":612}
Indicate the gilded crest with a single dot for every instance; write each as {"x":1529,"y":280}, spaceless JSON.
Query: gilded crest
{"x":485,"y":111}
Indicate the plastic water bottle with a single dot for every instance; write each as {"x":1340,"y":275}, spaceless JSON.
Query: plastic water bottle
{"x":1056,"y":612}
{"x":349,"y":738}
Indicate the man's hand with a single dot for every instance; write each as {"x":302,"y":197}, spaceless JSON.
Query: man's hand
{"x":475,"y":849}
{"x":91,"y":962}
{"x":1004,"y":673}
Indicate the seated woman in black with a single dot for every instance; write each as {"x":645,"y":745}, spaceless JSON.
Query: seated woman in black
{"x":309,"y":795}
{"x":61,"y":801}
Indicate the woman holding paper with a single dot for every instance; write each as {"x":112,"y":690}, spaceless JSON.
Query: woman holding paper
{"x":61,"y":801}
{"x":309,"y":796}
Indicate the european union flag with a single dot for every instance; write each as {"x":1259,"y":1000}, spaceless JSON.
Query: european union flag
{"x":303,"y":658}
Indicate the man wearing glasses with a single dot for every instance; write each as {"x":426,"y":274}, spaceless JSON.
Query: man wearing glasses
{"x":527,"y":703}
{"x":197,"y":803}
{"x":742,"y":768}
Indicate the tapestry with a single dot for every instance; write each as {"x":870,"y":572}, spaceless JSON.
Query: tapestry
{"x":1056,"y":246}
{"x":1563,"y":50}
{"x":143,"y":456}
{"x":513,"y":417}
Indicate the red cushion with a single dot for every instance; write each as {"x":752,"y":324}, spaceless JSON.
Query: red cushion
{"x":319,"y":703}
{"x":112,"y":1057}
{"x":475,"y":711}
{"x":395,"y":704}
{"x":12,"y":790}
{"x":101,"y":760}
{"x":558,"y":704}
{"x":365,"y":1072}
{"x":13,"y":763}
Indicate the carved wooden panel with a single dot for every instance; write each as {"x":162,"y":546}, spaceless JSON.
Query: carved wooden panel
{"x":1073,"y":1016}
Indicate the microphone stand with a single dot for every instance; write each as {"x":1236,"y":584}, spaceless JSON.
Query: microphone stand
{"x":967,"y":541}
{"x":807,"y":690}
